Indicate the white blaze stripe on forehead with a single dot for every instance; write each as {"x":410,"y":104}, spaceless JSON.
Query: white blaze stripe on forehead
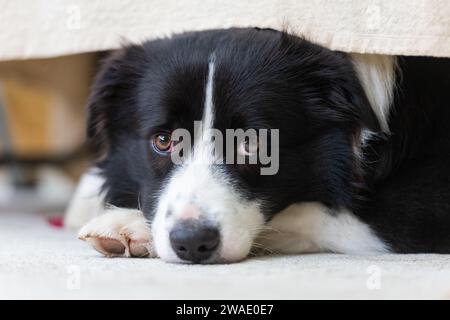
{"x":204,"y":148}
{"x":197,"y":183}
{"x":208,"y":113}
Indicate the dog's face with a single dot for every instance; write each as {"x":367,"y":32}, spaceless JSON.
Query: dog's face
{"x":304,"y":103}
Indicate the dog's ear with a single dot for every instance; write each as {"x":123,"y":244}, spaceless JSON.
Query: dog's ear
{"x":110,"y":105}
{"x":360,"y":108}
{"x":362,"y":84}
{"x":377,"y":76}
{"x":362,"y":92}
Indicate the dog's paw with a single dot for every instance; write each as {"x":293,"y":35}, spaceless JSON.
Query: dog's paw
{"x":119,"y":232}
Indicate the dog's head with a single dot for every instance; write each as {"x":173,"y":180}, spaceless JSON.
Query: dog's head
{"x":300,"y":108}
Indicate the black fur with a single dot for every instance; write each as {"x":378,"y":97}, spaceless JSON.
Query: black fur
{"x":269,"y":79}
{"x":410,"y":170}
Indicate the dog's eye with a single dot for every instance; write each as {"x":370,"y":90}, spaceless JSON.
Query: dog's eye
{"x":162,"y":142}
{"x":249,"y":146}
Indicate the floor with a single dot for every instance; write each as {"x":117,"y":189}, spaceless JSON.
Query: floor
{"x":41,"y":260}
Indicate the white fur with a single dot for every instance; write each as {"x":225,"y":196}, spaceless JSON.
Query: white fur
{"x":195,"y":183}
{"x":87,"y":201}
{"x":377,"y":76}
{"x":126,"y":226}
{"x":309,"y":227}
{"x":208,"y":112}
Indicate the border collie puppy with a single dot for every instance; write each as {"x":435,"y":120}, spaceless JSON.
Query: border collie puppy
{"x":361,"y":157}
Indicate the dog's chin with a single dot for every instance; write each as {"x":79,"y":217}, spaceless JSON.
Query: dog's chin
{"x":212,"y":261}
{"x":219,"y":258}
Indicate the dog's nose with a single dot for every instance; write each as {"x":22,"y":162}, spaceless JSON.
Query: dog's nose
{"x":194,"y":241}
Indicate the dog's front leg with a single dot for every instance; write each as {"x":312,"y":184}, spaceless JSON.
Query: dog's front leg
{"x":119,"y":232}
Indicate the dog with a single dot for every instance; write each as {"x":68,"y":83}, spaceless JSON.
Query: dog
{"x":363,"y":150}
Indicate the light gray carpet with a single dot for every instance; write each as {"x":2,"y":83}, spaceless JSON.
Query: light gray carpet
{"x":40,"y":261}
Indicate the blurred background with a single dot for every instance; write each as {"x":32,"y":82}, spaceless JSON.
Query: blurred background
{"x":42,"y":130}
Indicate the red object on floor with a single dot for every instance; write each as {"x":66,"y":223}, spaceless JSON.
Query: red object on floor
{"x":57,"y":222}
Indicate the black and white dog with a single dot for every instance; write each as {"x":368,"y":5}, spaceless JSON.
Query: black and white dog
{"x":363,"y":156}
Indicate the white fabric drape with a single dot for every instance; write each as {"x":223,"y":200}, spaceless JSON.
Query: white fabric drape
{"x":46,"y":28}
